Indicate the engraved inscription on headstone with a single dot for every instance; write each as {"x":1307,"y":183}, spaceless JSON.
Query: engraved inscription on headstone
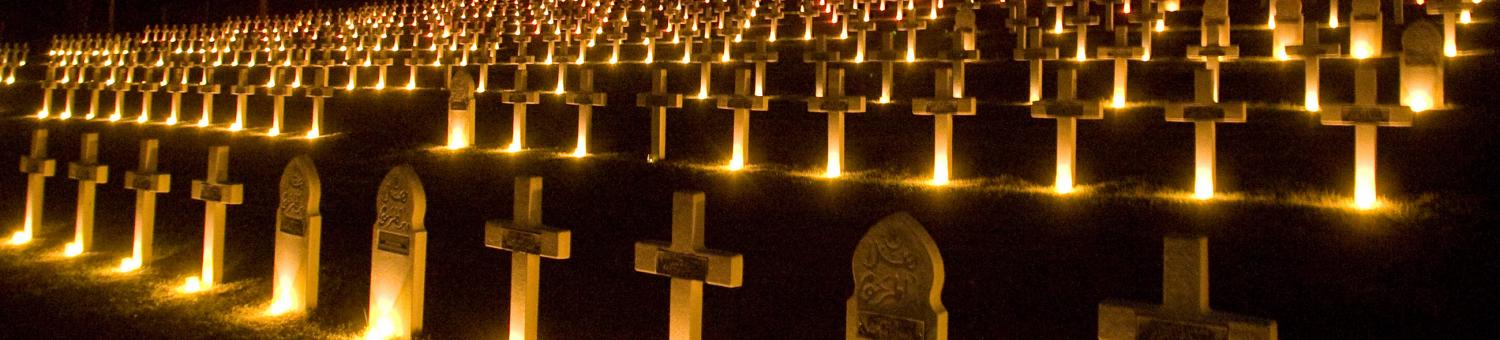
{"x":898,"y":284}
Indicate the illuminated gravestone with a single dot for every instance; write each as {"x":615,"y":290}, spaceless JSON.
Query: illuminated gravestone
{"x":690,"y":264}
{"x":1365,"y":29}
{"x":1450,"y":10}
{"x":1067,"y":109}
{"x":1149,"y":17}
{"x":741,"y":102}
{"x":1286,"y":26}
{"x":96,"y":84}
{"x":898,"y":284}
{"x":48,"y":84}
{"x":706,"y":67}
{"x":216,"y":193}
{"x":147,"y":183}
{"x":820,"y":56}
{"x":862,"y":30}
{"x":887,"y":56}
{"x":241,"y":91}
{"x":1421,"y":67}
{"x":176,"y":88}
{"x":120,"y":87}
{"x":1311,"y":52}
{"x":1204,"y":112}
{"x":518,"y":97}
{"x":1366,"y":115}
{"x":911,"y":24}
{"x":651,"y":36}
{"x":1034,"y":55}
{"x":1184,"y":312}
{"x":1081,"y":20}
{"x":585,"y":99}
{"x":208,"y":90}
{"x":299,"y":234}
{"x":658,"y":100}
{"x":319,"y":93}
{"x":528,"y":240}
{"x":942,"y":107}
{"x":809,"y":14}
{"x":277,"y":87}
{"x":383,"y":63}
{"x":836,"y":104}
{"x":89,"y":173}
{"x":398,"y":262}
{"x":1121,"y":53}
{"x":461,"y":111}
{"x":963,"y":49}
{"x":70,"y":87}
{"x":760,"y":57}
{"x":1215,"y":46}
{"x":37,"y":168}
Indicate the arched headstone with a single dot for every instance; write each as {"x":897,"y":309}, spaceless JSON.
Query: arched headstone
{"x":1422,"y":66}
{"x":398,"y":260}
{"x":299,"y":229}
{"x":460,"y":110}
{"x":898,"y":284}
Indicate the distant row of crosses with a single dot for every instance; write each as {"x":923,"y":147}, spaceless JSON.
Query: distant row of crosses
{"x":455,"y":36}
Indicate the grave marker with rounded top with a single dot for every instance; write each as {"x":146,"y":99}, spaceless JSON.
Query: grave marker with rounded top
{"x":398,"y":256}
{"x":898,"y":284}
{"x":89,"y":173}
{"x":1184,"y":312}
{"x":37,"y":168}
{"x":690,"y":264}
{"x":147,"y":183}
{"x":528,"y":240}
{"x":460,"y":110}
{"x":216,"y":192}
{"x":299,"y":234}
{"x":1421,"y":67}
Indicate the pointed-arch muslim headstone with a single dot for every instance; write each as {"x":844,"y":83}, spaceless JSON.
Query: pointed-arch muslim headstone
{"x":299,"y":230}
{"x":461,"y":111}
{"x":898,"y":284}
{"x":398,"y":259}
{"x":1422,"y":66}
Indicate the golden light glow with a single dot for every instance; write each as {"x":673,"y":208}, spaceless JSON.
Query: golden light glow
{"x":1360,"y":49}
{"x":42,"y":114}
{"x":1450,"y":47}
{"x":1419,"y":100}
{"x":1161,"y":25}
{"x":1118,"y":99}
{"x":1311,"y":102}
{"x":1173,"y":6}
{"x":312,"y":134}
{"x":203,"y":122}
{"x":383,"y":323}
{"x":1333,"y":20}
{"x":940,"y":170}
{"x":20,"y":237}
{"x":73,"y":249}
{"x":191,"y":285}
{"x":1465,"y":17}
{"x":835,"y":168}
{"x":737,"y":162}
{"x":273,"y":132}
{"x":1064,"y":183}
{"x":513,"y":147}
{"x":1203,"y":182}
{"x":129,"y":264}
{"x":285,"y":300}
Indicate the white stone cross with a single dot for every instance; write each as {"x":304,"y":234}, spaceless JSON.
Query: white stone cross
{"x":1366,"y":114}
{"x":1067,"y":109}
{"x":836,"y":104}
{"x":741,"y":102}
{"x":1311,"y":52}
{"x":585,"y":98}
{"x":89,"y":173}
{"x":690,"y":264}
{"x":528,"y":240}
{"x":658,"y":100}
{"x":1204,"y":112}
{"x":147,"y":183}
{"x":942,"y":107}
{"x":37,"y":168}
{"x":216,"y":192}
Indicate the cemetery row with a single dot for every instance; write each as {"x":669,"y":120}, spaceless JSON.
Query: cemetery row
{"x":897,"y":270}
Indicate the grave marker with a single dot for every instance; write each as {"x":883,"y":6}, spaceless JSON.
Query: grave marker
{"x":528,"y":240}
{"x":1067,"y":109}
{"x":690,"y":264}
{"x":585,"y":99}
{"x":898,"y":284}
{"x":216,"y":192}
{"x":37,"y":168}
{"x":89,"y":173}
{"x":1311,"y":52}
{"x":147,"y":183}
{"x":1286,"y":26}
{"x":1204,"y":112}
{"x":1421,"y":67}
{"x":460,"y":111}
{"x":942,"y":107}
{"x":836,"y":104}
{"x":518,"y":98}
{"x":299,"y":235}
{"x":1121,"y":53}
{"x":1366,"y":115}
{"x":1184,"y":312}
{"x":741,"y":102}
{"x":658,"y":100}
{"x":398,"y":263}
{"x":1365,"y":29}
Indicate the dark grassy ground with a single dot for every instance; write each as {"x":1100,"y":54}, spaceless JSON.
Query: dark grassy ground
{"x":1022,"y":263}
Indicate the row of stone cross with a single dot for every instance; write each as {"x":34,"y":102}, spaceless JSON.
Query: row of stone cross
{"x":897,"y":269}
{"x":12,"y":57}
